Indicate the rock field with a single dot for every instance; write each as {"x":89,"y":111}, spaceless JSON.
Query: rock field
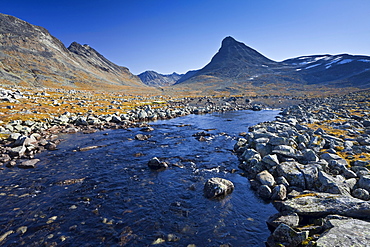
{"x":313,"y":163}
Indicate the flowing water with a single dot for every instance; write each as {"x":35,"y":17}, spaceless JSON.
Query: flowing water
{"x":109,"y":197}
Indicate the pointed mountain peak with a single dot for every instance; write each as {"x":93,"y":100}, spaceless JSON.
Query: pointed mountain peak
{"x":229,"y":41}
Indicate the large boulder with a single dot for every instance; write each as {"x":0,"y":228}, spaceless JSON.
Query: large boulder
{"x":217,"y":188}
{"x":346,"y":232}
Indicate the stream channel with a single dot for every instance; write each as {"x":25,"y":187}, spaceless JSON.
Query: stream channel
{"x":109,"y":197}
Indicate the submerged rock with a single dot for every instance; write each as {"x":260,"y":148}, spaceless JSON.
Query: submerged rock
{"x":28,"y":163}
{"x":142,"y":137}
{"x":217,"y":188}
{"x":156,"y":164}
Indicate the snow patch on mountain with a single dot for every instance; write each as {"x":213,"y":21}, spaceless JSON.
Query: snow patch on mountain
{"x":312,"y":66}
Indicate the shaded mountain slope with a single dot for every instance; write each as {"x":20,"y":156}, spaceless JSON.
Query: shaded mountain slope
{"x":30,"y":56}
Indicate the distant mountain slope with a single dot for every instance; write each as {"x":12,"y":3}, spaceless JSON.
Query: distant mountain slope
{"x":30,"y":56}
{"x":154,"y":79}
{"x":343,"y":69}
{"x":237,"y":65}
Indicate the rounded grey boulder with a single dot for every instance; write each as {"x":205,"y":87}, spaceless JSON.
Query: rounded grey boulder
{"x":218,"y":187}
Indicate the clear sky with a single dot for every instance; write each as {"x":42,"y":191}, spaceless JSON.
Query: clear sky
{"x":180,"y":35}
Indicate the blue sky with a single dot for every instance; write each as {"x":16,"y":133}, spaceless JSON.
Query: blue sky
{"x":176,"y":36}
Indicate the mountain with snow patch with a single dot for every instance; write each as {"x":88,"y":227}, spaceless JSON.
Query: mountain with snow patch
{"x":238,"y":65}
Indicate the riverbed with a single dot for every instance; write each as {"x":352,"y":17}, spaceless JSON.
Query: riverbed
{"x":108,"y":196}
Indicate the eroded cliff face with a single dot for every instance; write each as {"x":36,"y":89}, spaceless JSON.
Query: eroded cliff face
{"x":31,"y":56}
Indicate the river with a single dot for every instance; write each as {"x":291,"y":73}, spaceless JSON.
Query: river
{"x":109,"y":197}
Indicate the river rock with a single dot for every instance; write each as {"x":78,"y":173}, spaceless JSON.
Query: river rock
{"x":51,"y":146}
{"x":292,"y":173}
{"x":264,"y":192}
{"x":263,"y":149}
{"x":316,"y":204}
{"x":310,"y":155}
{"x":279,"y":192}
{"x":28,"y":163}
{"x":346,"y":232}
{"x":364,"y":182}
{"x":239,"y":146}
{"x":17,"y":151}
{"x":250,"y":154}
{"x":217,"y":187}
{"x":284,"y":149}
{"x":361,"y":194}
{"x":265,"y":178}
{"x":156,"y":164}
{"x":142,"y":137}
{"x":147,"y":129}
{"x":271,"y":160}
{"x":347,"y":173}
{"x":331,"y":184}
{"x":282,"y":180}
{"x":284,"y":235}
{"x":276,"y":141}
{"x":290,"y":219}
{"x":4,"y":158}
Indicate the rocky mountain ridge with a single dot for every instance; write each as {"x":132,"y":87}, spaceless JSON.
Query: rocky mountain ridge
{"x":152,"y":78}
{"x":31,"y":56}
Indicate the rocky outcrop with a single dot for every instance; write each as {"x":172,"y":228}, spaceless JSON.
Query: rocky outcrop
{"x":318,"y":152}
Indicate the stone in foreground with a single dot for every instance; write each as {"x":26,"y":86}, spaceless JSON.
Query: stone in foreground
{"x":351,"y":232}
{"x":218,"y":188}
{"x":284,"y":235}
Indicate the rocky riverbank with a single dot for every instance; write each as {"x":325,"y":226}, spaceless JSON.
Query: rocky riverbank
{"x":313,"y":163}
{"x":30,"y":121}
